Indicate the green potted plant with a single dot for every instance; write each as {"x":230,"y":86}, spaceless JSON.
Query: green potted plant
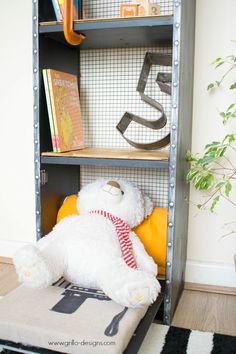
{"x":214,"y":170}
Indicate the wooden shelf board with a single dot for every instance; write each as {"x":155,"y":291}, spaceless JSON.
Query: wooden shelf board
{"x":108,"y":156}
{"x":95,"y":152}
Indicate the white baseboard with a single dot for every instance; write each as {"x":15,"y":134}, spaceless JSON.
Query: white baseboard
{"x":8,"y":248}
{"x":210,"y":273}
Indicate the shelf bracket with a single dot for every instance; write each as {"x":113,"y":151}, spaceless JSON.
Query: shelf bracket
{"x":71,"y":36}
{"x":44,"y":177}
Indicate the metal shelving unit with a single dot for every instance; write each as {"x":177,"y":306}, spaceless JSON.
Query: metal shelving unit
{"x":58,"y":176}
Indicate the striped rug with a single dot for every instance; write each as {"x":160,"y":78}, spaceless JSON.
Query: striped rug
{"x":162,"y":339}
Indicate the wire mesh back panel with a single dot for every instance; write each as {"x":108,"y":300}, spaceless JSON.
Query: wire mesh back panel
{"x":152,"y":182}
{"x":111,"y":8}
{"x":109,"y":78}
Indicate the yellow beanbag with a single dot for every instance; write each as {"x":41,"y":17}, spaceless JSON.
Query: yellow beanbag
{"x":68,"y":207}
{"x":152,"y":231}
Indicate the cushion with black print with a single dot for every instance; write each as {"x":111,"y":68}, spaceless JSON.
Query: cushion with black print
{"x":67,"y":318}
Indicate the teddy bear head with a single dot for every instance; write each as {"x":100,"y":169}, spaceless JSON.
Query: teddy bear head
{"x":116,"y":196}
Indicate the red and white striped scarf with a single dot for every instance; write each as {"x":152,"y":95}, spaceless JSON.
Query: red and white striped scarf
{"x":122,"y":230}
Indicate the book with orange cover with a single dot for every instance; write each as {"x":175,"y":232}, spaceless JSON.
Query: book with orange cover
{"x":66,"y":110}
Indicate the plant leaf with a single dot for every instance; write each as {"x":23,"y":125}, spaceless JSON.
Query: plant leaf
{"x":222,"y":114}
{"x":192,"y":174}
{"x":215,"y":201}
{"x":204,"y":182}
{"x":228,"y":188}
{"x":232,"y":105}
{"x":207,"y":159}
{"x":216,"y":61}
{"x":210,"y":86}
{"x":214,"y":143}
{"x":213,"y":85}
{"x":229,"y":138}
{"x":233,"y":86}
{"x":221,"y":151}
{"x":189,"y":157}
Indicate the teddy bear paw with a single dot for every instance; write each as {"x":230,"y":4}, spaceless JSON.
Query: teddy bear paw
{"x":136,"y":289}
{"x":145,"y":292}
{"x":32,"y":268}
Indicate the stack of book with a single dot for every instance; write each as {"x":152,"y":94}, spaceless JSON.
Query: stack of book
{"x":63,"y":103}
{"x":58,"y":6}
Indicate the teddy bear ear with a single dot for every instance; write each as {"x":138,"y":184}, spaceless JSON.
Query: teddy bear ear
{"x":148,"y":206}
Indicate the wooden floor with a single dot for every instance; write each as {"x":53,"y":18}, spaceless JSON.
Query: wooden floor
{"x":196,"y":310}
{"x":206,"y":312}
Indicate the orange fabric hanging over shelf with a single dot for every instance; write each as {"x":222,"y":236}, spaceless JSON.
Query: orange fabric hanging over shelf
{"x":71,"y":36}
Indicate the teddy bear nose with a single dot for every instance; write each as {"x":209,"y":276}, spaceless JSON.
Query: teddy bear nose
{"x":113,"y":184}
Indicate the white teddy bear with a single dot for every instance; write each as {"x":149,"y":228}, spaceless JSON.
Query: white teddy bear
{"x":97,"y":248}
